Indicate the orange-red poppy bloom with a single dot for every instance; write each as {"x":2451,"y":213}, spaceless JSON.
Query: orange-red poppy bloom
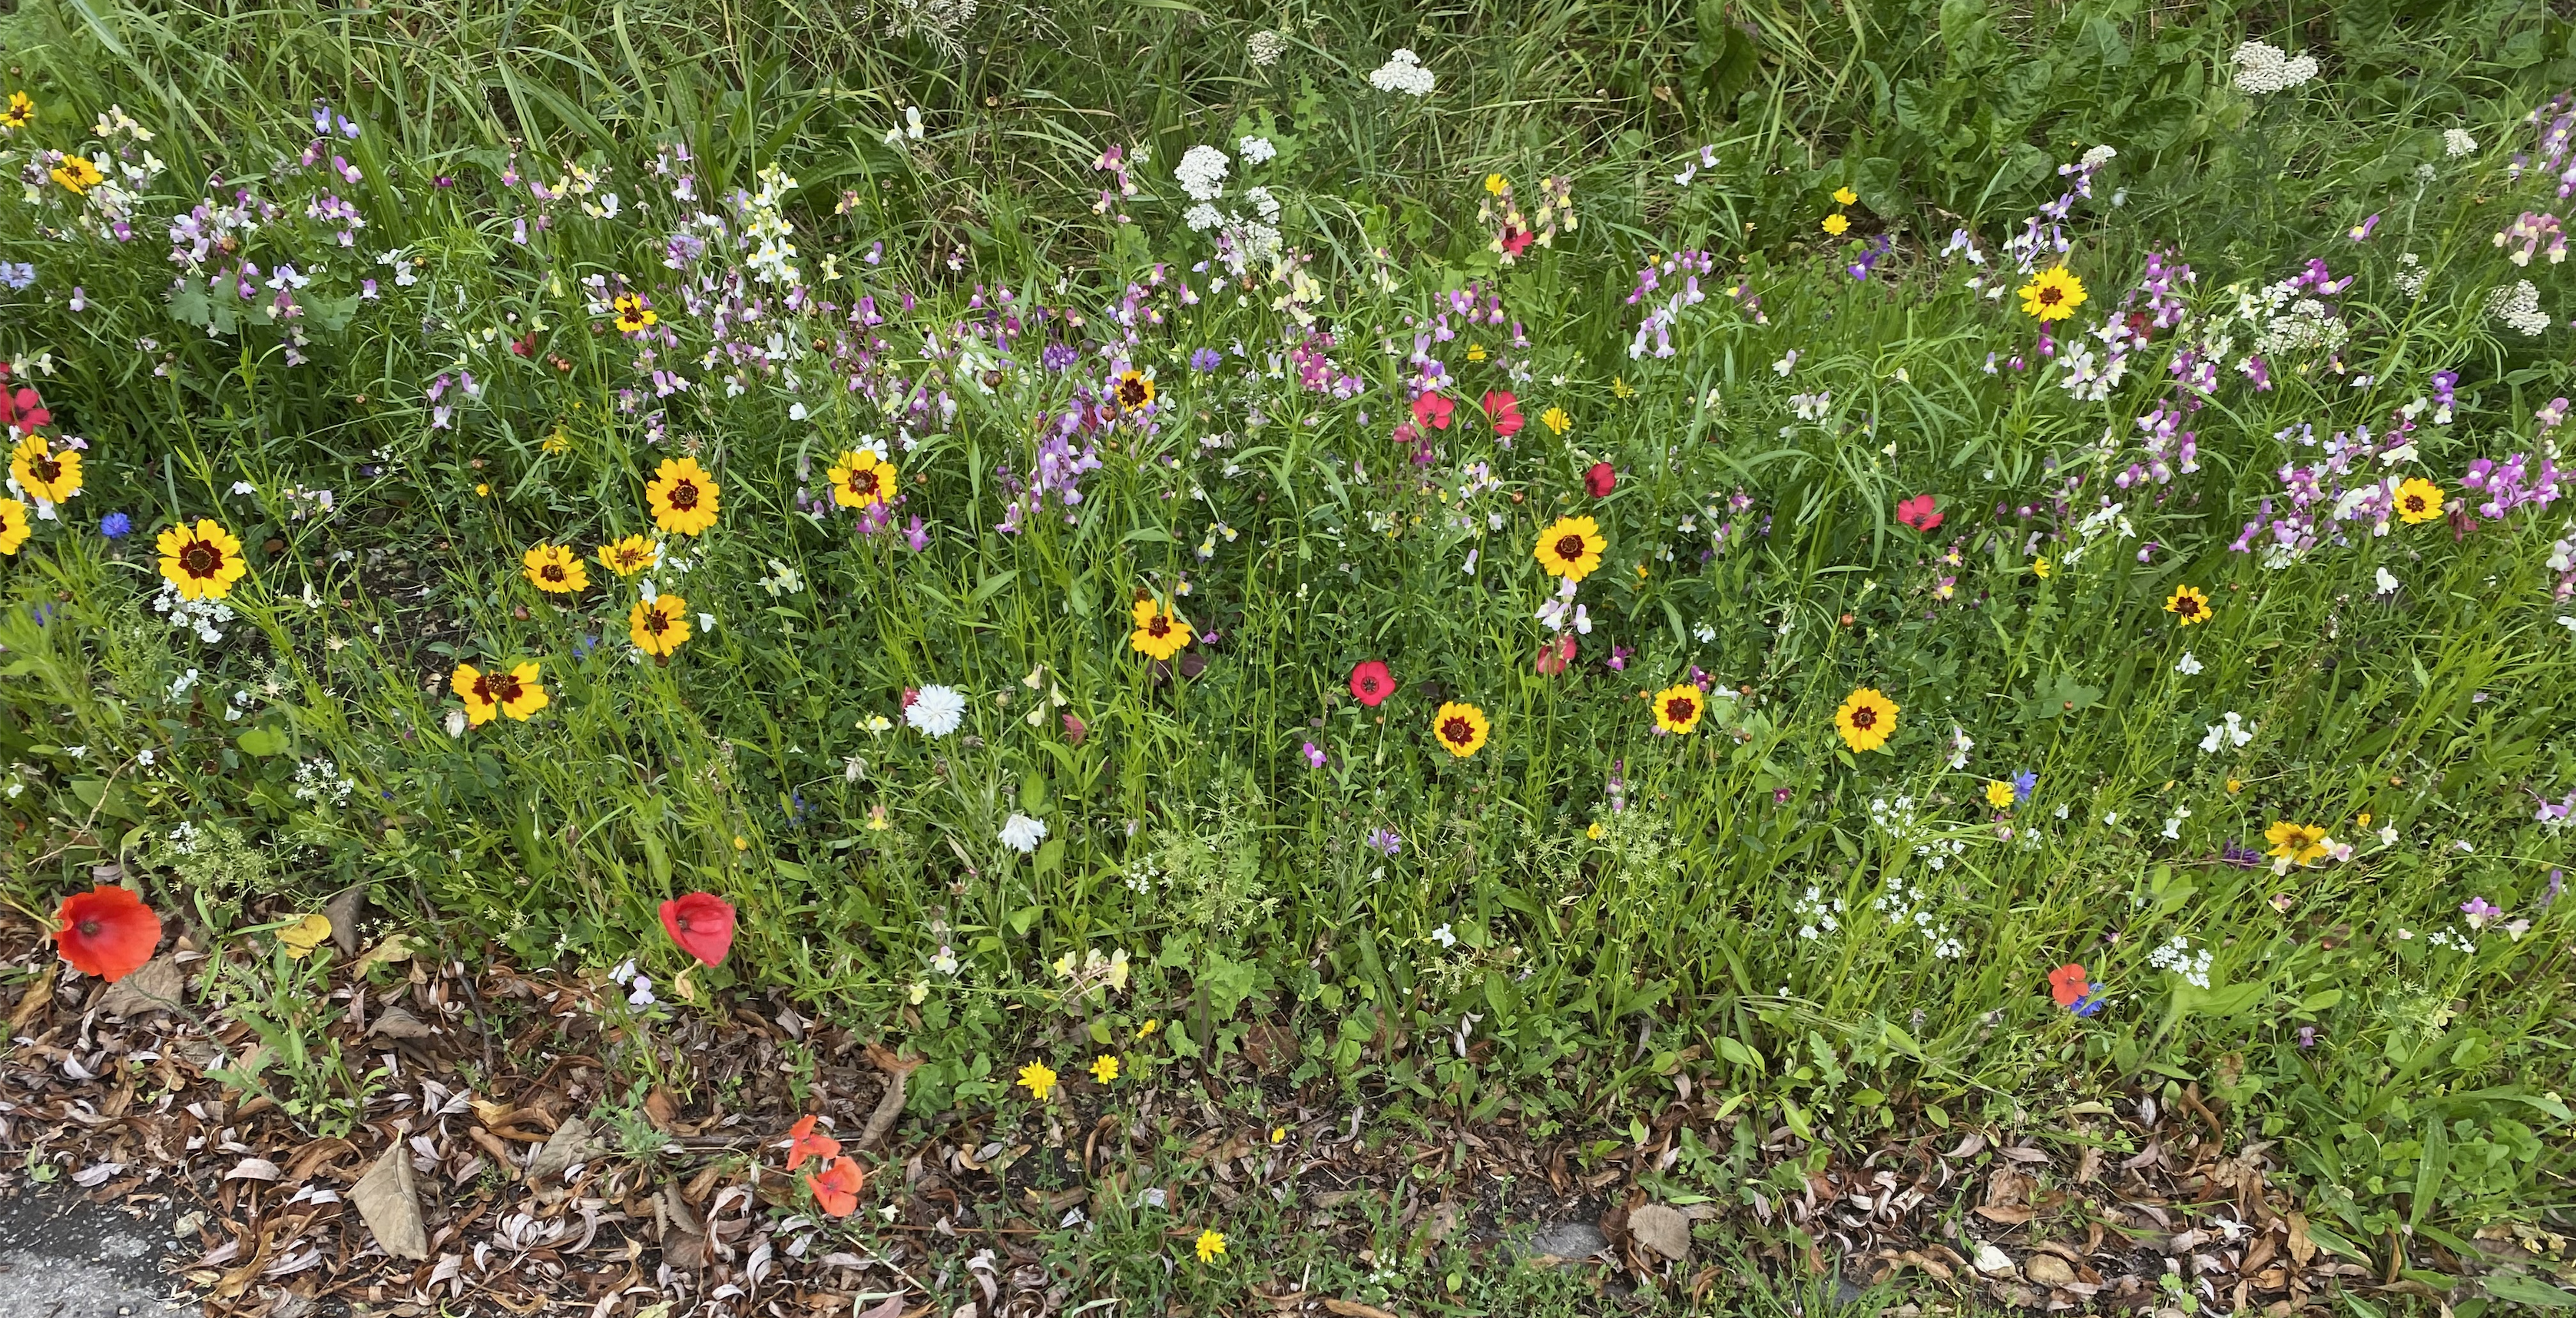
{"x":702,"y":924}
{"x":107,"y":932}
{"x":836,"y":1188}
{"x":2067,"y":985}
{"x":804,"y":1143}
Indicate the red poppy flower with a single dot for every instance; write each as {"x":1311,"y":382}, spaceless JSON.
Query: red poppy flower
{"x":1506,"y":413}
{"x":1600,"y":479}
{"x":1371,"y":683}
{"x":702,"y":924}
{"x":803,"y":1143}
{"x":1433,"y":410}
{"x":1516,"y":241}
{"x":2066,"y":984}
{"x":107,"y":932}
{"x":1918,"y":513}
{"x":21,"y":407}
{"x":836,"y":1188}
{"x":1554,"y":655}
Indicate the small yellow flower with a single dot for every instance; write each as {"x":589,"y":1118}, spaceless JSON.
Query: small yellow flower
{"x":1866,"y":719}
{"x":1475,"y":352}
{"x":633,"y":317}
{"x":1837,"y":225}
{"x":877,"y":821}
{"x":741,"y":843}
{"x":2188,"y":604}
{"x":1278,"y":1134}
{"x":1039,"y":1079}
{"x":1496,"y":185}
{"x":2361,"y":820}
{"x":1556,"y":421}
{"x":861,"y":479}
{"x":2296,"y":843}
{"x":1571,"y":547}
{"x":2235,"y":785}
{"x":683,"y":497}
{"x":629,"y":556}
{"x":13,"y":525}
{"x":1999,"y":794}
{"x":1621,"y":389}
{"x":1460,"y":728}
{"x":1158,"y":634}
{"x":20,"y":112}
{"x":77,"y":175}
{"x":659,"y":625}
{"x":2039,"y":568}
{"x":482,"y":489}
{"x":1211,"y":1245}
{"x":557,"y":442}
{"x":201,"y":562}
{"x":515,"y":692}
{"x":2418,"y":500}
{"x":554,"y":570}
{"x":1845,"y":196}
{"x":1594,"y":832}
{"x":1148,"y":1028}
{"x":2053,"y":294}
{"x":1104,"y":1068}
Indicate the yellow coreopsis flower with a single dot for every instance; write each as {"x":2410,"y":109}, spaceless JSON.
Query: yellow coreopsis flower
{"x":1866,"y":719}
{"x":1571,"y":548}
{"x":51,"y":475}
{"x":658,"y":625}
{"x":1460,"y":728}
{"x":861,"y":479}
{"x":2418,"y":500}
{"x":21,"y":111}
{"x":2053,"y":294}
{"x":1158,"y":634}
{"x":201,"y":562}
{"x":516,"y":692}
{"x":77,"y":175}
{"x":2188,"y":604}
{"x":554,"y":570}
{"x":682,"y":496}
{"x":13,"y":525}
{"x":1678,"y":708}
{"x":629,"y":556}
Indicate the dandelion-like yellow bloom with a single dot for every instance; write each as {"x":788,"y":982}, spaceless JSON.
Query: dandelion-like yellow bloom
{"x":658,"y":625}
{"x":1039,"y":1079}
{"x":861,"y":479}
{"x":50,"y":474}
{"x":1211,"y":1245}
{"x":201,"y":562}
{"x":1844,"y":196}
{"x":1678,"y":708}
{"x":2297,"y":843}
{"x":13,"y":525}
{"x":516,"y":693}
{"x":682,"y":497}
{"x":2188,"y":604}
{"x":1999,"y":794}
{"x":77,"y":175}
{"x":2053,"y":294}
{"x":1571,"y":548}
{"x":1159,"y":634}
{"x":1866,"y":719}
{"x":1837,"y":224}
{"x":1104,"y":1068}
{"x":2039,"y":568}
{"x":555,"y":569}
{"x":1496,"y":185}
{"x":1557,"y":422}
{"x":1460,"y":728}
{"x":2418,"y":500}
{"x":629,"y":556}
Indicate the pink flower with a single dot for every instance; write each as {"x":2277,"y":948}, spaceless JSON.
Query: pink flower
{"x":1601,"y":479}
{"x":1506,"y":413}
{"x":1433,"y":410}
{"x":1918,"y":512}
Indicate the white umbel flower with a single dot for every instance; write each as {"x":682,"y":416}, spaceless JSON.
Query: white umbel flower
{"x":1201,"y":172}
{"x":1022,"y":834}
{"x":2457,"y":143}
{"x":935,"y":711}
{"x":2263,"y":68}
{"x":1402,"y":72}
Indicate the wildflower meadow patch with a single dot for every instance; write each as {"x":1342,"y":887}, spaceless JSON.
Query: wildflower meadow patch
{"x":1946,"y":579}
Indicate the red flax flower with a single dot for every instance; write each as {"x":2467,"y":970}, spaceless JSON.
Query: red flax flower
{"x":107,"y":932}
{"x":803,"y":1143}
{"x":1601,"y":479}
{"x":836,"y":1188}
{"x":1506,"y":413}
{"x":2067,"y":985}
{"x":1554,"y":655}
{"x":1371,"y":683}
{"x":702,"y":924}
{"x":1432,"y":411}
{"x":1918,"y":513}
{"x":21,"y":407}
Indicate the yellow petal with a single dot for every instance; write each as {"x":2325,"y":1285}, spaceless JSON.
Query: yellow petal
{"x":301,"y":937}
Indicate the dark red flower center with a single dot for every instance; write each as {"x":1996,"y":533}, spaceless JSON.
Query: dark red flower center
{"x":1132,"y":391}
{"x":863,"y":483}
{"x":2051,"y":296}
{"x":1457,"y":731}
{"x":1368,"y":686}
{"x":1680,"y":709}
{"x":1864,"y":718}
{"x":1158,"y":626}
{"x":201,"y":559}
{"x":47,"y":468}
{"x":497,"y":688}
{"x":685,"y":495}
{"x":551,"y":572}
{"x":1569,"y":548}
{"x":656,"y":622}
{"x":2187,"y":606}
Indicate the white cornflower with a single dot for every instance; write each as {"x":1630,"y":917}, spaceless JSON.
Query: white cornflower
{"x":1022,"y":834}
{"x":2263,"y":68}
{"x":1201,"y":173}
{"x":2457,"y":143}
{"x":1402,"y":72}
{"x":936,"y":711}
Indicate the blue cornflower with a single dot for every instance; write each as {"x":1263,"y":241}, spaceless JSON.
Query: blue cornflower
{"x":1205,"y":360}
{"x":2023,"y":784}
{"x":18,"y":275}
{"x":115,"y":526}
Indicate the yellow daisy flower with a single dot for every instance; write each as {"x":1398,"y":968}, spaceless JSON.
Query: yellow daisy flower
{"x":77,"y":175}
{"x":1039,"y":1079}
{"x":2418,"y":500}
{"x":1999,"y":794}
{"x":13,"y":525}
{"x":554,"y":569}
{"x":1460,"y":728}
{"x":1104,"y":1068}
{"x":658,"y":625}
{"x":1845,"y":196}
{"x":860,"y":479}
{"x":2298,"y":843}
{"x":1678,"y":708}
{"x":2053,"y":294}
{"x":1134,"y":389}
{"x":2188,"y":604}
{"x":633,"y":317}
{"x":50,"y":475}
{"x":21,"y":112}
{"x":1158,"y":634}
{"x":203,"y":562}
{"x":1866,"y":720}
{"x":515,"y":693}
{"x":1837,"y":225}
{"x":1571,"y":548}
{"x":682,"y":496}
{"x":1211,"y":1245}
{"x":629,"y":556}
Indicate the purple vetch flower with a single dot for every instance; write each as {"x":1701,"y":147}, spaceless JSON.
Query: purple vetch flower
{"x":1385,"y":841}
{"x":1314,"y":756}
{"x":1779,"y":796}
{"x":2479,"y":911}
{"x":2241,"y":856}
{"x":2307,"y":1036}
{"x":1205,"y":360}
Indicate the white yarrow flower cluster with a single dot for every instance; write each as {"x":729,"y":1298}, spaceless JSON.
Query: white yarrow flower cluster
{"x":1256,"y":150}
{"x":2178,"y":957}
{"x":2518,"y":307}
{"x":1402,"y":72}
{"x":935,"y":711}
{"x":2263,"y":68}
{"x":1266,"y":46}
{"x":1201,"y":172}
{"x":2457,"y":143}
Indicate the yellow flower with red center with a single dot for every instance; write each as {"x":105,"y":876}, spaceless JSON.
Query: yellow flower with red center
{"x":13,"y":525}
{"x":201,"y":562}
{"x":1678,"y":708}
{"x":555,"y":570}
{"x":1460,"y":728}
{"x":2053,"y":294}
{"x":1159,"y":634}
{"x":52,"y":475}
{"x":1866,"y":719}
{"x":634,"y":316}
{"x":2188,"y":604}
{"x":658,"y":625}
{"x":2418,"y":500}
{"x":1134,"y":390}
{"x":77,"y":175}
{"x":2297,"y":843}
{"x":682,"y":497}
{"x":515,"y":692}
{"x":629,"y":556}
{"x":21,"y":112}
{"x":861,"y":479}
{"x":1571,"y":548}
